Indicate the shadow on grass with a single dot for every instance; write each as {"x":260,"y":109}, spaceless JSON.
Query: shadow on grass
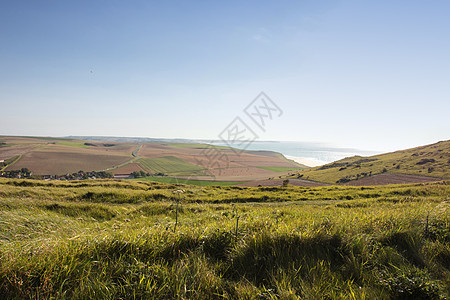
{"x":260,"y":257}
{"x":407,"y":244}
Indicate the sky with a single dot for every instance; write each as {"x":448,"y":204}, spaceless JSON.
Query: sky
{"x":371,"y":75}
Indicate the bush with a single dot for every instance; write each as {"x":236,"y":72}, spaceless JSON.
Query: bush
{"x":425,"y":161}
{"x":139,"y":174}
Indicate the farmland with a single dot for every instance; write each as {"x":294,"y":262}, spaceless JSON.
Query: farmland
{"x":170,"y":165}
{"x":126,"y":239}
{"x":220,"y":163}
{"x":62,"y":162}
{"x":196,"y":161}
{"x":59,"y":156}
{"x":62,"y":156}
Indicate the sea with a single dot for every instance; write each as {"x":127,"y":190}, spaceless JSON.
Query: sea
{"x":308,"y":153}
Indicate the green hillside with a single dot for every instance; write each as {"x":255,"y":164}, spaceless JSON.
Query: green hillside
{"x":430,"y":160}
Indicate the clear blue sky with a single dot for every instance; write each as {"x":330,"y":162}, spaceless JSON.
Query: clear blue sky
{"x":365,"y":74}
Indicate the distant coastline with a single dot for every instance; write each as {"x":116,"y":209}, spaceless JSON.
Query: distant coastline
{"x":304,"y":161}
{"x":307,"y":153}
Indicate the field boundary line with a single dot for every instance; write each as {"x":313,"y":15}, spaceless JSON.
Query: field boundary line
{"x":133,"y":154}
{"x":16,"y":160}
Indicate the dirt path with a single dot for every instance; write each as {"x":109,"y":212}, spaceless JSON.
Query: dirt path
{"x":135,"y":157}
{"x":37,"y":147}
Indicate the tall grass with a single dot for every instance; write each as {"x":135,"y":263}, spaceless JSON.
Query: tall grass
{"x":111,"y":239}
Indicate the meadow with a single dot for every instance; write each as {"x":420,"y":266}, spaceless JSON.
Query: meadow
{"x":72,"y":144}
{"x":111,"y":239}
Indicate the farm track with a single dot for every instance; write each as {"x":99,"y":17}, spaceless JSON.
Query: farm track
{"x":135,"y":157}
{"x":16,"y":160}
{"x":20,"y":156}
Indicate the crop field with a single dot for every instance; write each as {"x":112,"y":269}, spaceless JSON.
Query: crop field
{"x":128,"y":169}
{"x":229,"y":165}
{"x":8,"y":151}
{"x":170,"y":165}
{"x":59,"y":156}
{"x":391,"y":178}
{"x":115,"y":239}
{"x":63,"y":162}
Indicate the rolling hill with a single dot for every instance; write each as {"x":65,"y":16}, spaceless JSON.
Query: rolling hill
{"x":60,"y":156}
{"x":425,"y":163}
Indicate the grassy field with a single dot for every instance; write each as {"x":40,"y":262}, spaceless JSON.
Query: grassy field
{"x":73,"y":144}
{"x":45,"y":138}
{"x":170,"y":165}
{"x":431,"y":160}
{"x":194,"y":145}
{"x":124,"y":239}
{"x":173,"y":180}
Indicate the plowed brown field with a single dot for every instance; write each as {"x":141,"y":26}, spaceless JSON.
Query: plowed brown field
{"x":389,"y":178}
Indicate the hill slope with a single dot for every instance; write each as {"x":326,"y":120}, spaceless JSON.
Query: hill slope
{"x":430,"y":160}
{"x":60,"y":156}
